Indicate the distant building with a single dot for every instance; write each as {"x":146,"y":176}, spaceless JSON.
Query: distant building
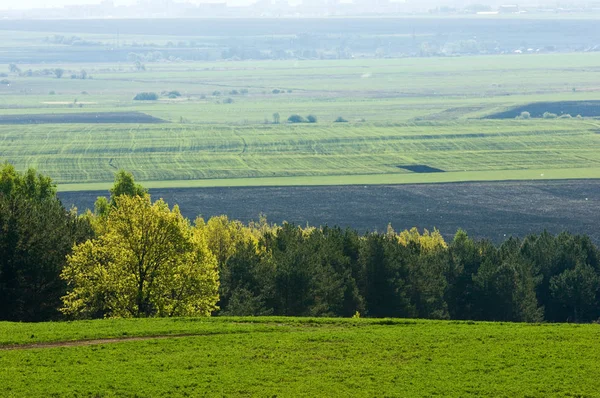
{"x":509,"y":9}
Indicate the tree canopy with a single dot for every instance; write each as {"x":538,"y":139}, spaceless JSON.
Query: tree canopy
{"x":36,"y":234}
{"x":147,"y":262}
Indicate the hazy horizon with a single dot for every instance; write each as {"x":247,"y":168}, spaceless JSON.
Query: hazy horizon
{"x":32,"y":4}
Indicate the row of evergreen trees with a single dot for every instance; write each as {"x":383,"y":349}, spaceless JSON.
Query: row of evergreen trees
{"x":335,"y":272}
{"x":266,"y":269}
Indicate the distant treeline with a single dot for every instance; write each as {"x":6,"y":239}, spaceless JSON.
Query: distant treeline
{"x":134,"y":258}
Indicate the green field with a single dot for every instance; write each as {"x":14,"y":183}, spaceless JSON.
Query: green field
{"x":400,"y":112}
{"x":190,"y":155}
{"x":291,"y":357}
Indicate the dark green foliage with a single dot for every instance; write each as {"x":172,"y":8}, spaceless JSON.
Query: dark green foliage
{"x":246,"y":282}
{"x":296,"y":119}
{"x":146,"y":97}
{"x":340,"y":120}
{"x":36,"y":234}
{"x":311,"y":119}
{"x":330,"y":272}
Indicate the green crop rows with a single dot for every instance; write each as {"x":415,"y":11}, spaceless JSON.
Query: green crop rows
{"x":91,"y":153}
{"x":414,"y":111}
{"x":289,"y":357}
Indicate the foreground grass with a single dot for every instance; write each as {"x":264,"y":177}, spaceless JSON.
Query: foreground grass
{"x":303,"y":357}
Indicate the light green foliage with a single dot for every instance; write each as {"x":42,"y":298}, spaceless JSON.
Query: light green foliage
{"x":305,"y":357}
{"x":30,"y":183}
{"x":147,"y":261}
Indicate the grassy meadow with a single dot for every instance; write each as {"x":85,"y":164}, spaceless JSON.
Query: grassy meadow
{"x":290,"y":357}
{"x":399,"y":112}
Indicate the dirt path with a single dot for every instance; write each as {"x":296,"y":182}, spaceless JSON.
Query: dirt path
{"x":80,"y":343}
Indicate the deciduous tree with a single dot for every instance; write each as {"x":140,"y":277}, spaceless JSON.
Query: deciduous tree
{"x":147,"y":262}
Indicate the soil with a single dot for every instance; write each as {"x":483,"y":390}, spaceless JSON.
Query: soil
{"x":537,"y":109}
{"x":79,"y":343}
{"x":421,"y":168}
{"x":80,"y":117}
{"x":492,"y":210}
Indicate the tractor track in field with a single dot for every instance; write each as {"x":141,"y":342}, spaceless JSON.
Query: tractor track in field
{"x":120,"y":339}
{"x":109,"y":340}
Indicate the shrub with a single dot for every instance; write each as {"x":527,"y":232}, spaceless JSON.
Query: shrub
{"x":296,"y":119}
{"x":311,"y":119}
{"x":524,"y":115}
{"x":244,"y":91}
{"x":228,"y":101}
{"x":565,"y":116}
{"x":6,"y":82}
{"x":216,"y":93}
{"x":234,"y":92}
{"x":146,"y":97}
{"x":173,"y":94}
{"x":548,"y":115}
{"x":277,"y":91}
{"x":340,"y":120}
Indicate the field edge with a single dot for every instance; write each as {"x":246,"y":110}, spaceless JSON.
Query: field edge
{"x":362,"y":179}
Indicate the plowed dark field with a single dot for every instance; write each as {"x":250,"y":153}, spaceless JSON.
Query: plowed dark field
{"x":485,"y":210}
{"x":83,"y":117}
{"x":537,"y":109}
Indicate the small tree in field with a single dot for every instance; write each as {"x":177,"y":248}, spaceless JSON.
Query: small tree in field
{"x":296,"y":119}
{"x":13,"y":68}
{"x":58,"y":72}
{"x":276,"y":118}
{"x":146,"y":97}
{"x":311,"y":119}
{"x":524,"y":115}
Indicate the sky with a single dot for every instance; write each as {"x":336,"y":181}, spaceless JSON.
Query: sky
{"x":26,"y":4}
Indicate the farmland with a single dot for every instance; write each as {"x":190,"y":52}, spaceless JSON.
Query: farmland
{"x":209,"y":142}
{"x":228,"y":119}
{"x":489,"y":125}
{"x":404,"y":119}
{"x":299,"y":357}
{"x":491,"y":210}
{"x":192,"y":155}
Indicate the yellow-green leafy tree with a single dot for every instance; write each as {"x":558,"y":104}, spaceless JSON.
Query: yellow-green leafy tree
{"x":223,"y":236}
{"x":146,"y":261}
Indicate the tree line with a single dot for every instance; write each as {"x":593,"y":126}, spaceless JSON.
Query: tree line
{"x":132,"y":257}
